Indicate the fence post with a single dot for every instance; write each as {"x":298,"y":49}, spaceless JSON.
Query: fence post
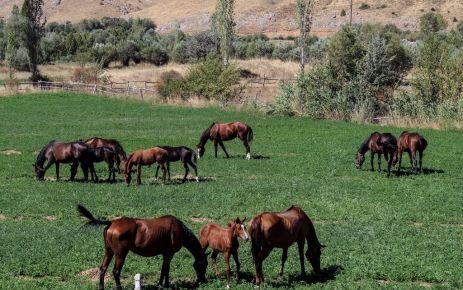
{"x":263,"y":84}
{"x":94,"y":89}
{"x":141,"y":93}
{"x":137,"y":282}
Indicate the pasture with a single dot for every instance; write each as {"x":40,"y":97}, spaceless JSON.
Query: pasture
{"x":404,"y":232}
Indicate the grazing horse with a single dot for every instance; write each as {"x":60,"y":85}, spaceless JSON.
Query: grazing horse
{"x":145,"y":157}
{"x":377,"y":143}
{"x":58,"y":152}
{"x":100,"y":154}
{"x":184,"y":154}
{"x":224,"y":240}
{"x":164,"y":236}
{"x":111,"y":143}
{"x":411,"y":143}
{"x":281,"y":230}
{"x":224,"y":132}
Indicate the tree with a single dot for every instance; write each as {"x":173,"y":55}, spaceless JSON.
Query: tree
{"x":225,"y":27}
{"x":13,"y":30}
{"x":33,"y":31}
{"x":304,"y":10}
{"x":432,"y":22}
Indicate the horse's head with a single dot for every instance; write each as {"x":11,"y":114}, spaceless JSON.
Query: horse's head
{"x":313,"y":255}
{"x":200,"y":266}
{"x":39,"y":172}
{"x":238,"y":228}
{"x":200,"y":150}
{"x":128,"y":177}
{"x":359,"y":159}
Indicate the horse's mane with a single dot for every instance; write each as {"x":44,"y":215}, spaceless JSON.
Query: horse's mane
{"x":205,"y":134}
{"x":364,"y":146}
{"x":41,"y":156}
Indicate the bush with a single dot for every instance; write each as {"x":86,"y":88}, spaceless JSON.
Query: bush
{"x":432,"y":22}
{"x":21,"y":60}
{"x":172,"y":85}
{"x":155,"y":54}
{"x":284,"y":101}
{"x":364,"y":6}
{"x":90,"y":75}
{"x":201,"y":45}
{"x":212,"y":80}
{"x":343,"y":12}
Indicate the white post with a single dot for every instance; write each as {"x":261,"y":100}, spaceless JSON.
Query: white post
{"x":137,"y":282}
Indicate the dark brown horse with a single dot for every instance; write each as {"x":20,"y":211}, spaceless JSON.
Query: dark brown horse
{"x":111,"y":143}
{"x":411,"y":143}
{"x":164,"y":236}
{"x":184,"y":154}
{"x":224,"y":240}
{"x":58,"y":152}
{"x":145,"y":157}
{"x":100,"y":154}
{"x":270,"y":230}
{"x":377,"y":143}
{"x":218,"y":133}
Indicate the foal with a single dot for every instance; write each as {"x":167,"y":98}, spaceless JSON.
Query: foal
{"x":111,"y":143}
{"x":224,"y":240}
{"x":377,"y":143}
{"x":100,"y":154}
{"x":145,"y":157}
{"x":184,"y":154}
{"x":411,"y":143}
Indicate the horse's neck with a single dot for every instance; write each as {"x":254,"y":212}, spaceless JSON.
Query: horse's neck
{"x":312,"y":239}
{"x":203,"y":140}
{"x":191,"y":243}
{"x":364,"y":147}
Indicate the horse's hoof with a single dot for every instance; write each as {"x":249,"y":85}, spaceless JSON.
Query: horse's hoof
{"x":228,"y":287}
{"x":197,"y":179}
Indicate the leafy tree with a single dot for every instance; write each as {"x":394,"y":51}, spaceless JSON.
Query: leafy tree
{"x":304,"y":10}
{"x":432,"y":22}
{"x":13,"y":34}
{"x":33,"y":31}
{"x":225,"y":27}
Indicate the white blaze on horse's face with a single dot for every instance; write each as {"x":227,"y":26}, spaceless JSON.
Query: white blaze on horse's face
{"x":248,"y":156}
{"x":245,"y":233}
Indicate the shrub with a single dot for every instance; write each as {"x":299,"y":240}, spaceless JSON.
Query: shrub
{"x":364,"y":6}
{"x":21,"y":61}
{"x":155,"y":54}
{"x":343,"y":12}
{"x":201,"y":45}
{"x":172,"y":85}
{"x":212,"y":80}
{"x":284,"y":101}
{"x":90,"y":75}
{"x":432,"y":22}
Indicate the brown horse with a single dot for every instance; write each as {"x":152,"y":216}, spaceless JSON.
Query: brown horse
{"x":145,"y":157}
{"x":377,"y":143}
{"x":58,"y":152}
{"x":184,"y":154}
{"x":164,"y":236}
{"x":100,"y":154}
{"x":411,"y":143}
{"x":224,"y":240}
{"x":218,"y":133}
{"x":281,"y":230}
{"x":111,"y":143}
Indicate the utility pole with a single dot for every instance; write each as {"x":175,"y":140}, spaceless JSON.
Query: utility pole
{"x":350,"y":20}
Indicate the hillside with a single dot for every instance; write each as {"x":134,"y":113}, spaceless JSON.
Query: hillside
{"x":273,"y":17}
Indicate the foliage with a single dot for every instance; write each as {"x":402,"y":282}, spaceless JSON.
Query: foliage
{"x":212,"y":80}
{"x":364,"y":6}
{"x":200,"y":45}
{"x":304,"y":11}
{"x":432,"y":22}
{"x":90,"y":75}
{"x":13,"y":32}
{"x":171,"y":84}
{"x":225,"y":27}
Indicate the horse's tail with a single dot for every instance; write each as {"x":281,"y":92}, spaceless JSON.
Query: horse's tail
{"x":91,"y":219}
{"x":250,"y":135}
{"x":194,"y":156}
{"x":422,"y":142}
{"x":256,"y":234}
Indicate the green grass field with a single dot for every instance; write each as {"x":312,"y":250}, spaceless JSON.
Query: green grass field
{"x":398,"y":232}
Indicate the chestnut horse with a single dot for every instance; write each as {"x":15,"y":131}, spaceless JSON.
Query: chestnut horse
{"x":58,"y":152}
{"x":224,"y":240}
{"x":377,"y":143}
{"x":145,"y":157}
{"x":411,"y":143}
{"x":164,"y":236}
{"x":100,"y":154}
{"x":184,"y":154}
{"x":218,"y":133}
{"x":270,"y":230}
{"x":111,"y":143}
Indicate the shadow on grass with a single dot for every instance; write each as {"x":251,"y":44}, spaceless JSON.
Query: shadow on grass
{"x":327,"y":274}
{"x":179,"y":181}
{"x":407,"y":171}
{"x":256,"y":157}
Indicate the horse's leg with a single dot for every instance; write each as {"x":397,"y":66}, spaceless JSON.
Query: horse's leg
{"x":248,"y":149}
{"x":57,"y":170}
{"x":168,"y":171}
{"x":118,"y":163}
{"x":262,"y":255}
{"x":389,"y":163}
{"x":195,"y":169}
{"x":411,"y":158}
{"x":163,"y":167}
{"x":214,"y":262}
{"x":284,"y":256}
{"x":186,"y":171}
{"x":49,"y":164}
{"x":117,"y":270}
{"x":372,"y":161}
{"x":165,"y":269}
{"x":400,"y":162}
{"x":226,"y":256}
{"x":300,"y":247}
{"x":223,"y":148}
{"x":237,"y":264}
{"x":379,"y":162}
{"x":85,"y":168}
{"x":421,"y":161}
{"x":138,"y":174}
{"x":104,"y":266}
{"x":74,"y":167}
{"x":157,"y":170}
{"x":93,"y":172}
{"x":415,"y":163}
{"x":215,"y":148}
